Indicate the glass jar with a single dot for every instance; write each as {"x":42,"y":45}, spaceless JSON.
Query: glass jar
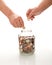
{"x":26,"y":42}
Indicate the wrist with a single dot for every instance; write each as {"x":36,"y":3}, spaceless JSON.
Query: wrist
{"x":37,"y":11}
{"x":12,"y":16}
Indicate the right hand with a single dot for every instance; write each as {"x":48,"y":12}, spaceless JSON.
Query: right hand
{"x":31,"y":13}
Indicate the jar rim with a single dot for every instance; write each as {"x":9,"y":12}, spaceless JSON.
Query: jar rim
{"x":24,"y":30}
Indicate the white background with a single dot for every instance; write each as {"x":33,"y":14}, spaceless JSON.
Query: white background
{"x":41,"y":27}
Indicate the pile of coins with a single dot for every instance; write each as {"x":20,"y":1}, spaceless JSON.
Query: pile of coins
{"x":26,"y":44}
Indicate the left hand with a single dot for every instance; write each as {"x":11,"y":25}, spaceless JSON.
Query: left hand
{"x":16,"y":21}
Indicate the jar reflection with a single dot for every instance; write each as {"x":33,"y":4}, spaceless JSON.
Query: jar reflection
{"x":27,"y":60}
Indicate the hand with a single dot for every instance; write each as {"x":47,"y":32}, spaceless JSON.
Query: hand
{"x":16,"y":21}
{"x":31,"y":13}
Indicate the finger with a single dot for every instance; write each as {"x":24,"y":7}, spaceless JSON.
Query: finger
{"x":28,"y":12}
{"x":18,"y":23}
{"x":21,"y":22}
{"x":32,"y":17}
